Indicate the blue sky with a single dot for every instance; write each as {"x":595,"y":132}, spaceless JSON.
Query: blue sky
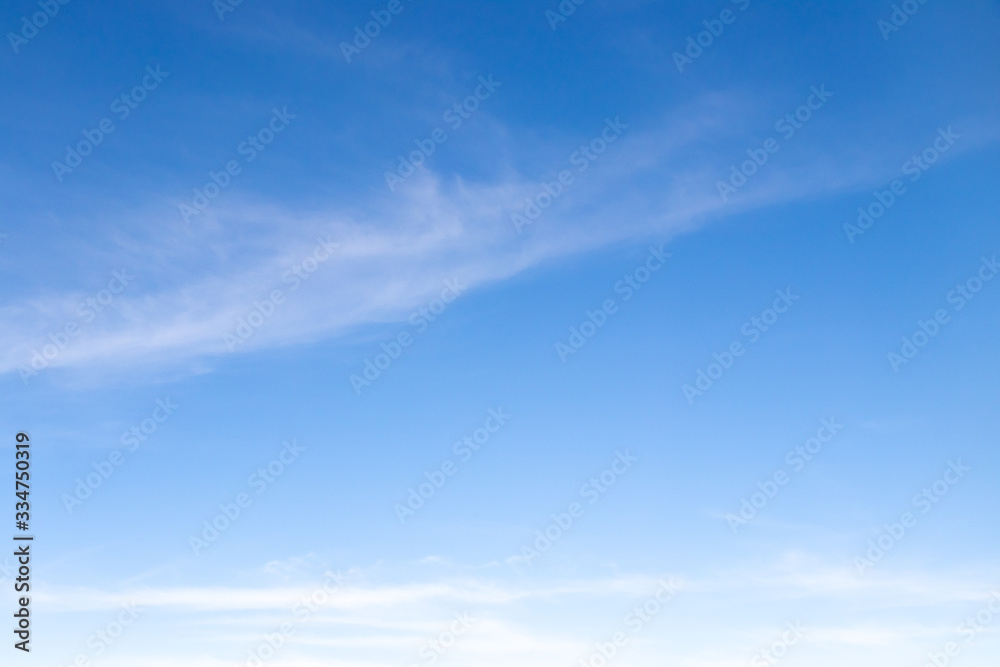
{"x":214,"y":362}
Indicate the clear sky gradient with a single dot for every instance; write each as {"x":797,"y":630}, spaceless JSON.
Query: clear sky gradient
{"x":486,"y":331}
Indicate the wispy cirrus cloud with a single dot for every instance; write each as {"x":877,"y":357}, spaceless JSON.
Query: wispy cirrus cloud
{"x":376,"y":622}
{"x":195,"y":283}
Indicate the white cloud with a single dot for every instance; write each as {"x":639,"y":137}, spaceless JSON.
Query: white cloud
{"x":193,"y":283}
{"x":551,"y":623}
